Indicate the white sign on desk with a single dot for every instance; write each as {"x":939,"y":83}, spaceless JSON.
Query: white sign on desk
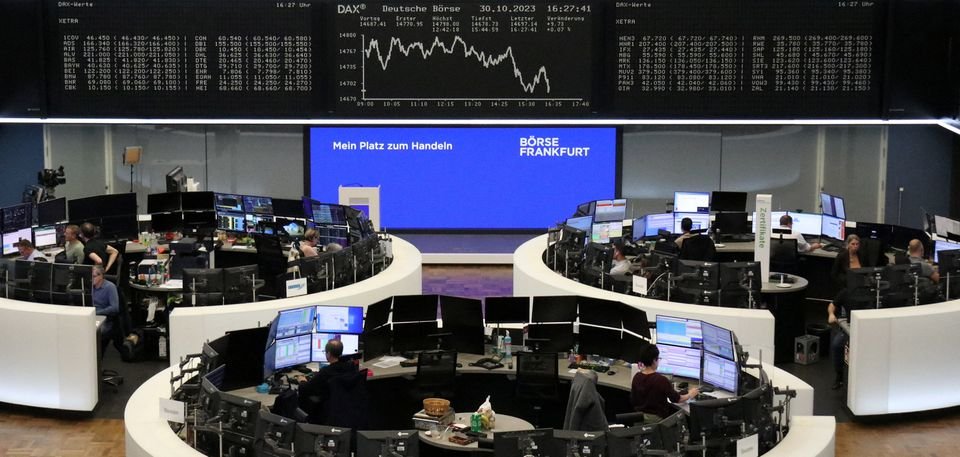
{"x":640,"y":285}
{"x":748,"y":447}
{"x":172,"y":410}
{"x":761,"y":243}
{"x":296,"y":287}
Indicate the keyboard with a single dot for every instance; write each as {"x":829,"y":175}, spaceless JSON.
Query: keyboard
{"x":830,"y":248}
{"x":737,"y":238}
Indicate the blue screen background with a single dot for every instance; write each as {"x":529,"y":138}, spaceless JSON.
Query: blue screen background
{"x":481,"y":183}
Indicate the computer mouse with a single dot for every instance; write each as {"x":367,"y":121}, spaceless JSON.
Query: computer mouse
{"x":611,"y":372}
{"x":682,"y":384}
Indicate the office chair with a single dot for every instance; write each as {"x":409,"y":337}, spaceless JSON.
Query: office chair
{"x":436,"y":374}
{"x":272,"y":264}
{"x":698,"y":247}
{"x":349,"y":401}
{"x":783,"y":256}
{"x":585,"y":406}
{"x":538,"y":380}
{"x":121,"y":327}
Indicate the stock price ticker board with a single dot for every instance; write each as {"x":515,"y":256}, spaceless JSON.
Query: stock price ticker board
{"x":475,"y":58}
{"x":747,"y":58}
{"x":183,"y":58}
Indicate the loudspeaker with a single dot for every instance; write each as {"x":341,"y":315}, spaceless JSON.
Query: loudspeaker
{"x":131,"y":155}
{"x":806,"y":349}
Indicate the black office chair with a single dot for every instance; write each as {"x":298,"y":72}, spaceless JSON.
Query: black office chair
{"x":272,"y":264}
{"x":698,"y":247}
{"x":783,"y":256}
{"x":349,"y":401}
{"x":538,"y":380}
{"x":121,"y":327}
{"x":436,"y":375}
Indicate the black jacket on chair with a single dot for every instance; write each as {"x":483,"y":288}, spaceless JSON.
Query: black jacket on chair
{"x":316,"y":394}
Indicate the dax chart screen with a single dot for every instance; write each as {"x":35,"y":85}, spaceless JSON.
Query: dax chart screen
{"x":464,"y":58}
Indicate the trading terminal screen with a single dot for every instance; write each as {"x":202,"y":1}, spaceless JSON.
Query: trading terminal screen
{"x":295,"y":322}
{"x":45,"y":237}
{"x":691,"y":202}
{"x":339,"y":319}
{"x":606,"y":231}
{"x":10,"y":240}
{"x":678,"y":331}
{"x":720,"y":372}
{"x":679,"y":361}
{"x":351,"y":345}
{"x":701,"y":221}
{"x":833,"y":227}
{"x":717,"y":340}
{"x":292,"y":351}
{"x":610,"y":210}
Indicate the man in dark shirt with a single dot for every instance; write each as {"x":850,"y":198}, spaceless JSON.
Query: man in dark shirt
{"x":315,"y":392}
{"x":96,"y":252}
{"x":650,"y":390}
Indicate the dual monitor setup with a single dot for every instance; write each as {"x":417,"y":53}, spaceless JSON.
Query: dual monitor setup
{"x":43,"y":282}
{"x":698,"y":350}
{"x":299,"y":336}
{"x":608,"y":329}
{"x":40,"y":223}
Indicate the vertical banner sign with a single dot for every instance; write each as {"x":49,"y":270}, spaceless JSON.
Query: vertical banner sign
{"x":761,"y":243}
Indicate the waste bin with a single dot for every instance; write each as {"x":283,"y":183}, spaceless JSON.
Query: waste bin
{"x":821,"y":331}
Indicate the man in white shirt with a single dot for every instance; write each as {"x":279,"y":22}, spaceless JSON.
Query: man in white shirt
{"x":28,"y":252}
{"x":621,"y":265}
{"x":786,"y":222}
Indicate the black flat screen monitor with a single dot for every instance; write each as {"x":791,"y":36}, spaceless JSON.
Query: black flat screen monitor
{"x":293,"y":351}
{"x":558,"y":337}
{"x":880,"y":232}
{"x":52,"y":211}
{"x":507,"y":310}
{"x":258,"y":205}
{"x":706,"y":419}
{"x":116,"y":205}
{"x":274,"y":432}
{"x":285,"y":207}
{"x":902,"y":235}
{"x":633,"y":441}
{"x":202,"y":280}
{"x":412,"y":337}
{"x":717,"y":340}
{"x":231,"y":222}
{"x":166,"y":222}
{"x":376,"y":342}
{"x":537,"y":442}
{"x":634,"y":320}
{"x":328,"y":214}
{"x":238,"y":283}
{"x":832,"y":206}
{"x":167,"y":202}
{"x":630,"y":347}
{"x":465,"y":340}
{"x":561,"y":308}
{"x":583,"y":223}
{"x":728,"y":201}
{"x":732,"y":223}
{"x":82,"y":209}
{"x":294,"y":322}
{"x":322,"y":441}
{"x":610,"y":210}
{"x":388,"y":443}
{"x":415,"y":308}
{"x":949,"y":262}
{"x":864,"y":286}
{"x":17,"y":217}
{"x":597,"y":311}
{"x":339,"y":319}
{"x":232,"y":203}
{"x":238,"y":414}
{"x":695,"y":274}
{"x":197,"y":201}
{"x":600,"y":341}
{"x":243,"y":357}
{"x":238,"y":443}
{"x":293,"y":228}
{"x":378,"y":314}
{"x":195,"y":222}
{"x":579,"y":443}
{"x":678,"y":331}
{"x":119,"y":227}
{"x":461,"y":311}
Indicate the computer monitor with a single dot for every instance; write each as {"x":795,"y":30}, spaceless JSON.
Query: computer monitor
{"x":560,"y":308}
{"x":679,"y":361}
{"x":940,"y":246}
{"x":606,"y":232}
{"x":166,"y":222}
{"x":167,"y":202}
{"x":243,"y":357}
{"x":293,"y":351}
{"x":414,"y":336}
{"x":696,"y":274}
{"x":559,"y":337}
{"x":231,"y":222}
{"x":294,"y":322}
{"x":634,"y":320}
{"x":293,"y":228}
{"x":630,"y":347}
{"x":945,"y":226}
{"x":880,"y":232}
{"x":863,"y":285}
{"x":902,"y":236}
{"x":728,"y":201}
{"x":256,"y":223}
{"x":17,"y":217}
{"x":46,"y":237}
{"x":238,"y":283}
{"x":392,"y":443}
{"x":600,"y":341}
{"x":10,"y":239}
{"x":737,"y":281}
{"x":461,"y":312}
{"x":678,"y":331}
{"x":323,"y":213}
{"x":322,"y":441}
{"x":230,"y":203}
{"x":610,"y":210}
{"x":579,"y":443}
{"x":339,"y":319}
{"x":414,"y":308}
{"x":327,"y":234}
{"x":731,"y":223}
{"x":583,"y":223}
{"x":197,"y":201}
{"x":701,"y":221}
{"x":199,"y":222}
{"x":902,"y":286}
{"x":506,"y":310}
{"x":289,"y":208}
{"x":717,"y":340}
{"x":949,"y":263}
{"x":274,"y":432}
{"x":376,"y":342}
{"x":839,"y":208}
{"x":634,"y":441}
{"x":258,"y":205}
{"x":691,"y":202}
{"x":600,"y":312}
{"x":585,"y":209}
{"x":318,"y":354}
{"x":832,"y":206}
{"x":536,"y":442}
{"x":657,"y":222}
{"x":203,"y":280}
{"x":715,"y":419}
{"x":833,"y":228}
{"x":638,"y":229}
{"x":805,"y":223}
{"x":378,"y":314}
{"x":721,"y":373}
{"x":176,"y":180}
{"x":52,"y":211}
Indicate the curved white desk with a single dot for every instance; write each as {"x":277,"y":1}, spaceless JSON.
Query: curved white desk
{"x":896,"y":353}
{"x":531,"y":277}
{"x":190,"y":327}
{"x":49,"y":355}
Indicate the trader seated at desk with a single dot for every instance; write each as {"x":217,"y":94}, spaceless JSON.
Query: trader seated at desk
{"x":786,"y":222}
{"x":309,"y":244}
{"x":315,"y":392}
{"x":650,"y":390}
{"x":107,"y":303}
{"x":915,"y":251}
{"x":620,"y":265}
{"x":72,"y":246}
{"x":28,"y":252}
{"x":686,"y":226}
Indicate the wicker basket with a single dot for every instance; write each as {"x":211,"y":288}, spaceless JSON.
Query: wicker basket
{"x":436,"y":407}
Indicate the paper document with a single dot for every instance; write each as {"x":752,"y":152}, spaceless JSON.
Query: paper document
{"x":389,"y":361}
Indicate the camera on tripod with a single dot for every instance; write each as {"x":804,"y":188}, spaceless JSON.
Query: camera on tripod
{"x":51,"y":178}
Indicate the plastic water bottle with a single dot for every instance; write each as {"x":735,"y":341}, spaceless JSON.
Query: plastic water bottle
{"x":152,"y":275}
{"x":506,"y":347}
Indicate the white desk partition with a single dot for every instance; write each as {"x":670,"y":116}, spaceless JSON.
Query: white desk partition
{"x":810,"y":436}
{"x":49,"y":355}
{"x":190,"y":327}
{"x":894,"y":355}
{"x":146,"y":433}
{"x":531,"y":277}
